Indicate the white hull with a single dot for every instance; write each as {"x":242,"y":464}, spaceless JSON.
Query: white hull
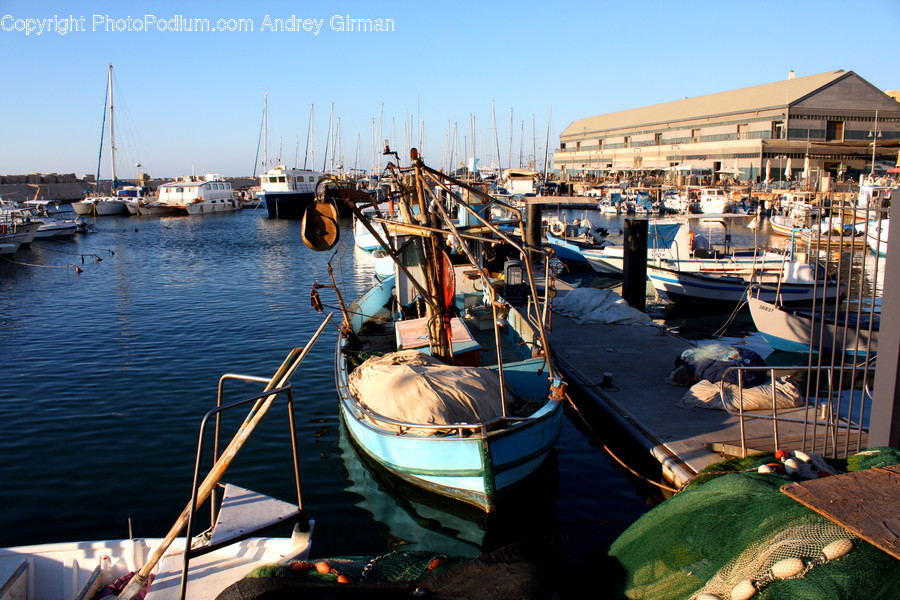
{"x":212,"y":206}
{"x":877,"y":237}
{"x":77,"y":570}
{"x":100,"y":207}
{"x":8,"y":247}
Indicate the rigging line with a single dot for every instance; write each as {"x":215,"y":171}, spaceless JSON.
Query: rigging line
{"x":16,"y":262}
{"x":616,"y":458}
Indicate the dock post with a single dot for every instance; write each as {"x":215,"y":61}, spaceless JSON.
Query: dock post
{"x":885,"y":418}
{"x":533,"y":216}
{"x":634,"y":268}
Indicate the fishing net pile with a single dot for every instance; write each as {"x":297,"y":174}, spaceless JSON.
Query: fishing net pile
{"x":520,"y":571}
{"x":737,"y":536}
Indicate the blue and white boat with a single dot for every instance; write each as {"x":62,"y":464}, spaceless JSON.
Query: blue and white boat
{"x":425,"y":390}
{"x":877,"y":236}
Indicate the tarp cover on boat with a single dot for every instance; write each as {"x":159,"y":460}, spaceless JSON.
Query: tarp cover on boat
{"x":413,"y":387}
{"x":592,"y":305}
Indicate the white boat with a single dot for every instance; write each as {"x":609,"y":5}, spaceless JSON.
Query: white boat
{"x":16,"y":225}
{"x":362,"y":237}
{"x":871,"y":200}
{"x":217,"y":558}
{"x":53,"y":223}
{"x":194,"y":196}
{"x":671,"y":243}
{"x":105,"y":205}
{"x":676,"y":201}
{"x":713,"y":201}
{"x":797,"y":284}
{"x":877,"y":236}
{"x":801,"y":331}
{"x":520,"y":181}
{"x":286,"y":192}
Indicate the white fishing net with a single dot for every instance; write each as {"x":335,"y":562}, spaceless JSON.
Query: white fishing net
{"x":787,"y":554}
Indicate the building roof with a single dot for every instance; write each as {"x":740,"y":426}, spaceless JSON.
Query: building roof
{"x":759,"y":97}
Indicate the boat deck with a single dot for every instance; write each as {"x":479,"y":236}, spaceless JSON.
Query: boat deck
{"x":683,"y":440}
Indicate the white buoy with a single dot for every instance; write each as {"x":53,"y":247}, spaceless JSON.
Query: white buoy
{"x":743,"y":590}
{"x":837,"y":549}
{"x":787,"y":568}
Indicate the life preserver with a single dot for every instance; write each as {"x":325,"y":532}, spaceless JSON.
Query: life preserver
{"x":557,"y":228}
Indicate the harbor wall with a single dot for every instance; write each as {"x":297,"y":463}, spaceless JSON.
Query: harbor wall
{"x":67,"y":187}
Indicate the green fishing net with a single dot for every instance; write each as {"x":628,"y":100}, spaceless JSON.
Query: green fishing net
{"x":733,"y":534}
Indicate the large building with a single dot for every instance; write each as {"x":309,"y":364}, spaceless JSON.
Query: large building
{"x":831,"y":118}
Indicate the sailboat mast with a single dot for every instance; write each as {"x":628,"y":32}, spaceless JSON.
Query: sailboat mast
{"x":265,"y":131}
{"x":112,"y":133}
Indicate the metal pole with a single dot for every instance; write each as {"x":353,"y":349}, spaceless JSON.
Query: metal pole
{"x":634,"y":268}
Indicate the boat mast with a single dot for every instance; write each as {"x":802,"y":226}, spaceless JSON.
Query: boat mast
{"x":112,"y":133}
{"x":265,"y":132}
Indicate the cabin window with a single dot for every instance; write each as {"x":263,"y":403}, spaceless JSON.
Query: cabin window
{"x":179,"y":190}
{"x":273,"y":180}
{"x":281,"y":179}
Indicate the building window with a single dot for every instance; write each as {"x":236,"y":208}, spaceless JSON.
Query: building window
{"x":777,"y":130}
{"x":743,"y":131}
{"x":657,"y":139}
{"x":695,"y":135}
{"x":834,"y":131}
{"x":562,"y":145}
{"x":577,"y":146}
{"x":627,"y":142}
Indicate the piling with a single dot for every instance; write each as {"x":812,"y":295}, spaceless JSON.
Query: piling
{"x":634,"y":268}
{"x":533,"y":216}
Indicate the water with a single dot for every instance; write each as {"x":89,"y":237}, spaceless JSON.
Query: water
{"x":107,"y":373}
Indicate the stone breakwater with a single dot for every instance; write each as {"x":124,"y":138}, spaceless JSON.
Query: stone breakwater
{"x":66,"y":187}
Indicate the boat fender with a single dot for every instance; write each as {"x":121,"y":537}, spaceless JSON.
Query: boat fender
{"x":558,"y":390}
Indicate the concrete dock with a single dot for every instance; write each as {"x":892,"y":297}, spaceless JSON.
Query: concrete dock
{"x":683,"y":440}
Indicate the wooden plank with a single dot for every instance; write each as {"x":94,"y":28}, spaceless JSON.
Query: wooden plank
{"x":864,"y":502}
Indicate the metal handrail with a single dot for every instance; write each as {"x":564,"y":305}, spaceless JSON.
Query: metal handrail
{"x":216,"y":412}
{"x":831,"y":419}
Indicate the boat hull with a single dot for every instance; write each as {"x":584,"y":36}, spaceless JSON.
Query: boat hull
{"x":100,"y":207}
{"x":286,"y":205}
{"x":697,"y":288}
{"x":791,"y":331}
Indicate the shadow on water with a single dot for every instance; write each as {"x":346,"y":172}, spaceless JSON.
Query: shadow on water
{"x":411,"y":518}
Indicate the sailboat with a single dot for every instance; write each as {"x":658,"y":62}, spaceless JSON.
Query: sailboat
{"x":105,"y":205}
{"x":461,"y":396}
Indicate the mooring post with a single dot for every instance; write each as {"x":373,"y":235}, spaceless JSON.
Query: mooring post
{"x":533,"y":216}
{"x":634,"y":269}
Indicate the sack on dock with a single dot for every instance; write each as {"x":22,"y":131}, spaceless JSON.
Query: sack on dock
{"x":707,"y":394}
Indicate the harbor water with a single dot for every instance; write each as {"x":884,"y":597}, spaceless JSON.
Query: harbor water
{"x":108,"y":372}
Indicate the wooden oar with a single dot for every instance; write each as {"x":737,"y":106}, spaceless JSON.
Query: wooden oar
{"x":279,"y":379}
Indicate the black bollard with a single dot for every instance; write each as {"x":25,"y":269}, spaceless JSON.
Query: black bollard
{"x":634,"y":269}
{"x":533,"y":218}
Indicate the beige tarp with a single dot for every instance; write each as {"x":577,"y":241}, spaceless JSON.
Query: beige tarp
{"x":706,"y":394}
{"x":413,"y":387}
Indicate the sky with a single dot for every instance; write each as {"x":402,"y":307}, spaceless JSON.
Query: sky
{"x":506,"y":73}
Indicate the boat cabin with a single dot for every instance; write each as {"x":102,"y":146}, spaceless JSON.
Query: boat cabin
{"x":282,"y":179}
{"x":189,"y":190}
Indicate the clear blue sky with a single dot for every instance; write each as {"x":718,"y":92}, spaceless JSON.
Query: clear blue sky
{"x":194,"y":100}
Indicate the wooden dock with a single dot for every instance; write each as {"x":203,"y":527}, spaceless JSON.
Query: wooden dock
{"x":684,"y":440}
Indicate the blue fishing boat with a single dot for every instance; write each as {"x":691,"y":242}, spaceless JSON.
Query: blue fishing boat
{"x":442,"y":381}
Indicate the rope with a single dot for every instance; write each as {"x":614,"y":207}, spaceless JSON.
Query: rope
{"x":612,"y":454}
{"x":16,"y":262}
